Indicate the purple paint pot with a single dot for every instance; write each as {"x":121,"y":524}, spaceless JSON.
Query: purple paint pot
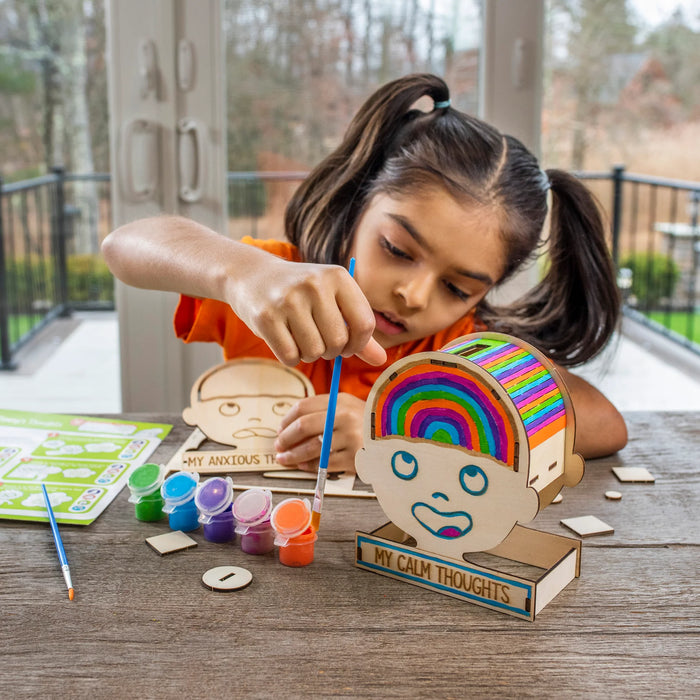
{"x":214,"y":498}
{"x":252,"y":509}
{"x":178,"y":491}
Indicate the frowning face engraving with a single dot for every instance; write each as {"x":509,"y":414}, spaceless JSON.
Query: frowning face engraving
{"x":242,"y":402}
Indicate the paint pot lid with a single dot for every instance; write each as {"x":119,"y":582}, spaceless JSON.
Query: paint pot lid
{"x":179,"y":488}
{"x":253,"y":506}
{"x":214,"y":496}
{"x":291,"y":518}
{"x":145,"y":480}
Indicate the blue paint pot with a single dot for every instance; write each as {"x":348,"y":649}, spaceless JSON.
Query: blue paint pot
{"x":178,"y":493}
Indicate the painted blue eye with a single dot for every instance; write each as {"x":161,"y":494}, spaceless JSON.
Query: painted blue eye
{"x":473,"y":480}
{"x":404,"y":465}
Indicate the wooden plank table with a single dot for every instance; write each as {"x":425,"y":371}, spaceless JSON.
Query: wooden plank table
{"x":143,"y":626}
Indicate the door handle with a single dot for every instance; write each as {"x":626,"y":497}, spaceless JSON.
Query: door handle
{"x":191,"y":159}
{"x":146,"y":132}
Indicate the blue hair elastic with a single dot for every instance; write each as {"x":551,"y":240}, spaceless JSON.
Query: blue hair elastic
{"x":442,"y":105}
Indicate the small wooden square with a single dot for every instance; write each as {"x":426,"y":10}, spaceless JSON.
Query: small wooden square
{"x":587,"y":526}
{"x":639,"y":475}
{"x":170,"y":542}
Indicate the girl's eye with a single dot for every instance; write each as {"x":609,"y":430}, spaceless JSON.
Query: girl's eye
{"x":393,"y":250}
{"x":456,"y":291}
{"x":404,"y":465}
{"x":473,"y":480}
{"x":229,"y":408}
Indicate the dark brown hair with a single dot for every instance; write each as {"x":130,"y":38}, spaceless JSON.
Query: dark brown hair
{"x":393,"y":148}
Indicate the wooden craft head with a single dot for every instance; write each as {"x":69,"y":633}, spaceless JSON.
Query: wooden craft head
{"x":242,"y":402}
{"x":463,"y":443}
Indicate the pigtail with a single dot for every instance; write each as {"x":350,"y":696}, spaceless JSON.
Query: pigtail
{"x":574,"y":310}
{"x":324,"y":209}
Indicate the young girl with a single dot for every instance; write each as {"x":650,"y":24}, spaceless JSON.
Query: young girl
{"x":437,"y":208}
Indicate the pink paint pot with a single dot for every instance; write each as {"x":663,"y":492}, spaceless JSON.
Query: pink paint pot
{"x":291,"y":521}
{"x":251,"y":511}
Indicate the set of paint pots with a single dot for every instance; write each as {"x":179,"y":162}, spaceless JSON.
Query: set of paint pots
{"x":211,"y":503}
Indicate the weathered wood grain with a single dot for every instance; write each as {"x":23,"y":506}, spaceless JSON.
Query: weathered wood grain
{"x":143,"y":626}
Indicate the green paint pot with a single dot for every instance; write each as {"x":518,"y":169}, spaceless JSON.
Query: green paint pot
{"x":144,"y":483}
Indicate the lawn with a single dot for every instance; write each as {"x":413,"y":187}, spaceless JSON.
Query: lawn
{"x":21,"y":324}
{"x":677,"y":321}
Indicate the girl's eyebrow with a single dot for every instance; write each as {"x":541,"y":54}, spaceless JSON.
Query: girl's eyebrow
{"x":418,"y":238}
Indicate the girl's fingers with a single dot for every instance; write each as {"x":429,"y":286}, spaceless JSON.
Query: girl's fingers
{"x":310,"y":451}
{"x":301,"y":453}
{"x":358,"y":316}
{"x":306,"y":425}
{"x":333,"y":328}
{"x":342,"y":461}
{"x":280,"y":340}
{"x":373,"y":353}
{"x":311,"y":404}
{"x":303,"y":438}
{"x":307,"y":336}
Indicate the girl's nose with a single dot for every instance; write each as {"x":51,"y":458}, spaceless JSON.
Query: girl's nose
{"x":415,"y":290}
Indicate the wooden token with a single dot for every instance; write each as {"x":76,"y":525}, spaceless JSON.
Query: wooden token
{"x":558,"y":498}
{"x":587,"y":526}
{"x":170,"y":542}
{"x":640,"y":475}
{"x":613,"y":495}
{"x":227,"y":578}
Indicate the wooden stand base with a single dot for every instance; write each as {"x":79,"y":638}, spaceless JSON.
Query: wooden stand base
{"x":386,"y":551}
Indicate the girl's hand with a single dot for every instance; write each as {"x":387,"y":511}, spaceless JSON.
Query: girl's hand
{"x":299,"y":440}
{"x":305,"y":311}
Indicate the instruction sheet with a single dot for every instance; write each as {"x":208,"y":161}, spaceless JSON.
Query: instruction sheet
{"x":84,"y":462}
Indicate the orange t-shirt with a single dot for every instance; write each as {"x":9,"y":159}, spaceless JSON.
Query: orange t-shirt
{"x":207,"y":320}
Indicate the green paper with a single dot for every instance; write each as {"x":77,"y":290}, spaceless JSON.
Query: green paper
{"x":84,"y":462}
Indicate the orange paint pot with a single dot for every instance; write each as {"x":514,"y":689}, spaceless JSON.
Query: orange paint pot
{"x":291,"y":521}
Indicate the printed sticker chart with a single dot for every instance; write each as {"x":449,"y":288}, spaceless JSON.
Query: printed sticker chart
{"x":84,"y":462}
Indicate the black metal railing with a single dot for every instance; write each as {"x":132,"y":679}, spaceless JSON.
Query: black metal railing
{"x":655,"y":244}
{"x":51,"y":229}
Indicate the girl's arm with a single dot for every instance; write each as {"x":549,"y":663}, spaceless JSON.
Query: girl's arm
{"x":303,"y":311}
{"x":600,"y":428}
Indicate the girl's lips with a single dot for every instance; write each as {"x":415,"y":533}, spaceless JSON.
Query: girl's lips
{"x":388,"y":324}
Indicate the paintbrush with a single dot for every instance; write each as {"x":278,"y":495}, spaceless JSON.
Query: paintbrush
{"x":59,"y":545}
{"x":327,"y":433}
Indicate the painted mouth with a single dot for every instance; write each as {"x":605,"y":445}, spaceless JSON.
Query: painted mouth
{"x":255,"y":432}
{"x":445,"y":524}
{"x":388,"y":323}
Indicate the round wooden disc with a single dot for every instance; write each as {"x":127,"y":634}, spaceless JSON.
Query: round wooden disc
{"x":613,"y":495}
{"x":227,"y":578}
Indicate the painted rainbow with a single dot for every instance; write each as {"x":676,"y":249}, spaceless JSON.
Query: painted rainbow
{"x":435,"y":400}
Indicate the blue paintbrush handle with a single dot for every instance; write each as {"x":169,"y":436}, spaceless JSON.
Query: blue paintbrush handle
{"x":54,"y":529}
{"x":332,"y":399}
{"x":330,"y":414}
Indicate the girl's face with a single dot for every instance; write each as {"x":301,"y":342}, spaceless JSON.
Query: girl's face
{"x":423,"y":261}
